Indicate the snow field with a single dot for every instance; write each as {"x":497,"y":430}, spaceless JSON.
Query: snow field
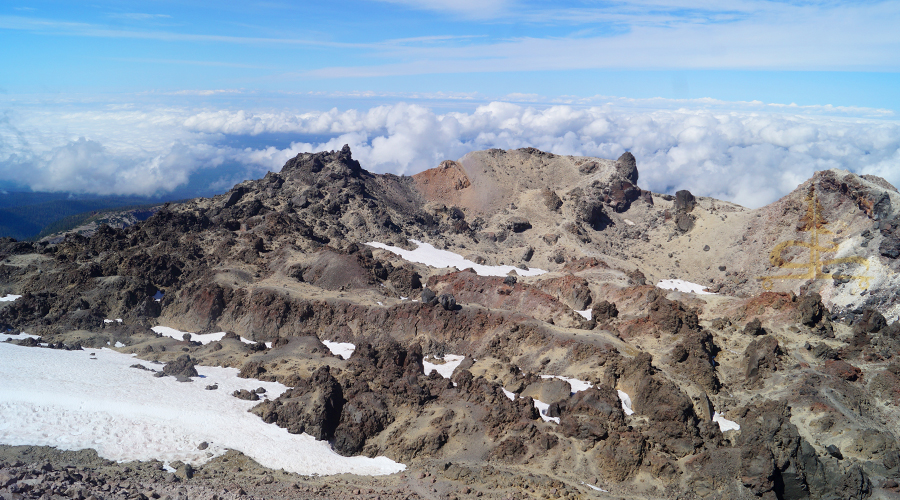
{"x":9,"y":298}
{"x":430,"y":256}
{"x":343,"y":349}
{"x":92,"y":399}
{"x":17,"y":336}
{"x":205,"y":338}
{"x":451,"y":361}
{"x":683,"y":286}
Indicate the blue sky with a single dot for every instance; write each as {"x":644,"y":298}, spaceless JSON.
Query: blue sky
{"x":93,"y":96}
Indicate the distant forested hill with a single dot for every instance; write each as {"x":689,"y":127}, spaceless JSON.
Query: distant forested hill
{"x":25,"y":215}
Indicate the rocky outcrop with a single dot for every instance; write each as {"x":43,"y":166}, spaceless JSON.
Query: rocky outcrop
{"x":761,"y":358}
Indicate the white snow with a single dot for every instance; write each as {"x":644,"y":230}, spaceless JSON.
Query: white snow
{"x":626,"y":402}
{"x":725,"y":424}
{"x":577,"y":385}
{"x":587,"y":313}
{"x":204,"y":339}
{"x":18,"y":336}
{"x":683,"y":286}
{"x":451,"y":361}
{"x":119,"y":344}
{"x":344,"y":349}
{"x":542,"y":409}
{"x":511,"y":395}
{"x":591,"y":486}
{"x":117,"y":320}
{"x":9,"y":298}
{"x":430,"y":256}
{"x":72,"y":400}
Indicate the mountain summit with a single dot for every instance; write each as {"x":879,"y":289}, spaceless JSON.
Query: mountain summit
{"x":519,"y":319}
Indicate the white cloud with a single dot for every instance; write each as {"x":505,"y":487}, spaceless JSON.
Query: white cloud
{"x":751,"y":154}
{"x":469,"y":8}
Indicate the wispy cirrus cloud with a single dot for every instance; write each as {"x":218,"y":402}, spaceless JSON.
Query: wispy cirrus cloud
{"x":138,"y":16}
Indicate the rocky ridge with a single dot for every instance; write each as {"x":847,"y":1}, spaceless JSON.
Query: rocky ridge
{"x":807,"y":368}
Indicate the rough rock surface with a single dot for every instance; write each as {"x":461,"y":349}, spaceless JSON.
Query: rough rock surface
{"x":808,"y":368}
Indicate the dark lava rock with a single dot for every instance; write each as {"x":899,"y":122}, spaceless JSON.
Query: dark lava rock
{"x":684,"y":222}
{"x":671,"y":316}
{"x":518,"y":224}
{"x":620,"y":195}
{"x":871,"y":321}
{"x":810,"y":310}
{"x":589,"y":210}
{"x":834,"y":451}
{"x":604,"y":310}
{"x":591,"y":414}
{"x":428,"y":296}
{"x":890,"y":238}
{"x":692,"y":357}
{"x":509,"y":280}
{"x":527,"y":254}
{"x":761,"y":357}
{"x":551,"y":199}
{"x":776,"y":459}
{"x":842,"y":369}
{"x":312,"y":406}
{"x":362,"y":417}
{"x":754,"y":328}
{"x":448,"y":302}
{"x":246,"y":395}
{"x":684,"y":201}
{"x":181,"y":367}
{"x":626,"y":165}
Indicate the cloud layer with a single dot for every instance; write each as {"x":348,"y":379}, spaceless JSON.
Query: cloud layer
{"x":742,"y":155}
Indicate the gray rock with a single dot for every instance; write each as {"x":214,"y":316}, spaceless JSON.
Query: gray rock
{"x":448,"y":302}
{"x":428,"y":296}
{"x":684,"y":222}
{"x":527,"y":254}
{"x":183,"y":366}
{"x":684,"y":201}
{"x":518,"y":224}
{"x":627,"y":167}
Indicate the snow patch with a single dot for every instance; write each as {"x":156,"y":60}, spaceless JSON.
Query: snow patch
{"x":117,"y":320}
{"x":343,"y":349}
{"x":9,"y":298}
{"x":451,"y":361}
{"x":587,"y":313}
{"x":64,"y":399}
{"x":577,"y":385}
{"x":542,"y":409}
{"x":683,"y":286}
{"x":204,"y":338}
{"x":119,"y":344}
{"x":725,"y":424}
{"x":18,"y":336}
{"x":430,"y":256}
{"x":595,"y":488}
{"x":511,"y":395}
{"x":626,"y":402}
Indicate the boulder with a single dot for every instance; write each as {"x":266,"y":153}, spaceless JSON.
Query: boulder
{"x":181,"y":367}
{"x":626,"y":166}
{"x":684,"y":201}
